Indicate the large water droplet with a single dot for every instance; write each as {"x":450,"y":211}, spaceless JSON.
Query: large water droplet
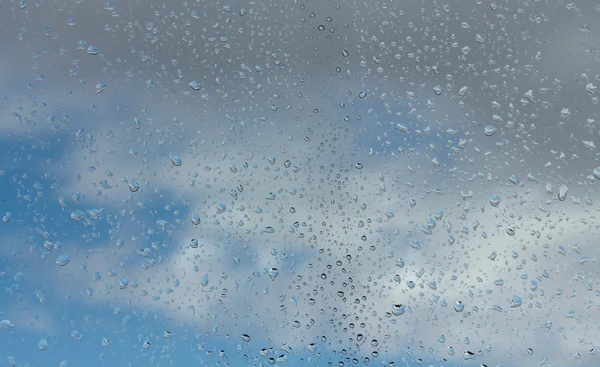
{"x":204,"y":280}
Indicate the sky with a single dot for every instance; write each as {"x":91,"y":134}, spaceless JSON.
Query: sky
{"x":299,"y":183}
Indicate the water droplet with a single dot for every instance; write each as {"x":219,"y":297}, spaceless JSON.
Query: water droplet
{"x":397,"y":278}
{"x":175,"y":160}
{"x":63,"y":260}
{"x":321,"y":28}
{"x":133,"y":185}
{"x":516,"y":302}
{"x":100,"y":87}
{"x":93,"y":50}
{"x":469,"y":355}
{"x":358,"y":165}
{"x":515,"y":180}
{"x":562,"y":192}
{"x":194,"y":243}
{"x":459,"y":306}
{"x":489,"y":130}
{"x":398,"y":309}
{"x":273,"y":273}
{"x":43,"y":344}
{"x":495,"y":201}
{"x":246,"y":337}
{"x":195,"y":218}
{"x":6,"y":324}
{"x":7,"y":216}
{"x":362,"y":94}
{"x":204,"y":280}
{"x":195,"y":85}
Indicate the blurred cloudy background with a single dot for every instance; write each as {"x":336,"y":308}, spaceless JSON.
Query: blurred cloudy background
{"x":354,"y":147}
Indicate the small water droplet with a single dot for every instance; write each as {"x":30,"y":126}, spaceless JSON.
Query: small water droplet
{"x":398,"y":309}
{"x":204,"y":280}
{"x":562,"y":192}
{"x":515,"y":180}
{"x":100,"y":87}
{"x":195,"y":85}
{"x":133,"y":185}
{"x":459,"y":306}
{"x":195,"y":218}
{"x":63,"y":260}
{"x":43,"y":344}
{"x":273,"y":273}
{"x":7,"y":216}
{"x":175,"y":160}
{"x":93,"y":50}
{"x":516,"y":302}
{"x":489,"y":130}
{"x":495,"y":201}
